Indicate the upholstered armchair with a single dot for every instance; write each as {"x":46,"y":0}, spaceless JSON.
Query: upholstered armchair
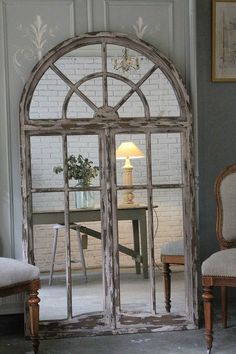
{"x":17,"y":277}
{"x":220,"y":268}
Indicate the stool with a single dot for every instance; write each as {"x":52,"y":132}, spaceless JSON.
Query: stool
{"x":75,"y":227}
{"x":171,"y":253}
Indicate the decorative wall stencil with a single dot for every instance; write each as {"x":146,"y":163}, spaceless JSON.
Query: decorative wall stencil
{"x":140,"y":27}
{"x":37,"y":34}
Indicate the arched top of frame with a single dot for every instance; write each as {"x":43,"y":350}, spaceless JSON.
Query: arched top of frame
{"x":105,"y":113}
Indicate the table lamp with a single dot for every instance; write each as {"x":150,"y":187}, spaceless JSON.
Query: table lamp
{"x":126,"y":151}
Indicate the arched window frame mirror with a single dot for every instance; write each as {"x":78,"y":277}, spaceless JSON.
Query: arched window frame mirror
{"x":105,"y":119}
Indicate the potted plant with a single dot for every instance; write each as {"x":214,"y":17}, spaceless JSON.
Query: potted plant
{"x":82,"y":170}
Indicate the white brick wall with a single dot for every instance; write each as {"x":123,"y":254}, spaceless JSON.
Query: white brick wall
{"x":46,"y":152}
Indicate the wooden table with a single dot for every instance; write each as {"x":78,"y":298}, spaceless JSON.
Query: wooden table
{"x":137,"y":214}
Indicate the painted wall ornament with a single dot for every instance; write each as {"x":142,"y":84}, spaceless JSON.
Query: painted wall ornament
{"x":37,"y":35}
{"x":140,"y":28}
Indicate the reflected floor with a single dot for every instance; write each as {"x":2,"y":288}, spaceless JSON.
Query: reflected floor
{"x":88,"y":297}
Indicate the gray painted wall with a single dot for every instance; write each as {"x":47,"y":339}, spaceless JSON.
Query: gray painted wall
{"x":216,"y":129}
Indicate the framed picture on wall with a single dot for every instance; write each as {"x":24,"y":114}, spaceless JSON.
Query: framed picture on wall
{"x":223,"y":40}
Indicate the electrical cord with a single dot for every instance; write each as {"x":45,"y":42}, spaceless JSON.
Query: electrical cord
{"x":155,"y":234}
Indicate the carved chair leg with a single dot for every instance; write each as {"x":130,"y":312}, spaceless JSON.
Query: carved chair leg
{"x":33,"y":302}
{"x":207,"y":301}
{"x":224,"y":306}
{"x":167,"y":287}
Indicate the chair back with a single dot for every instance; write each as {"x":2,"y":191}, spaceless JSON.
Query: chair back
{"x":225,"y":192}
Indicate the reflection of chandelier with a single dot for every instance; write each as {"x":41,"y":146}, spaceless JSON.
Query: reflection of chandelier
{"x":126,"y":63}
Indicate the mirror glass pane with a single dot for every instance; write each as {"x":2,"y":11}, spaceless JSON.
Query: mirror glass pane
{"x":166,"y":158}
{"x":127,"y":62}
{"x":86,"y":254}
{"x":132,"y":108}
{"x":168,"y":240}
{"x":133,"y":254}
{"x":81,"y":62}
{"x":160,"y":96}
{"x":77,"y":108}
{"x":83,"y":158}
{"x":131,"y":159}
{"x":50,"y":201}
{"x":46,"y":153}
{"x":48,"y":97}
{"x":116,"y":91}
{"x":47,"y":213}
{"x":93,"y":90}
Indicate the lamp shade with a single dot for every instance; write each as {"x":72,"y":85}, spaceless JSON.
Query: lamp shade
{"x":128,"y":149}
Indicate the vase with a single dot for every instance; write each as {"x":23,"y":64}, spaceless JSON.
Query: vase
{"x":84,"y":199}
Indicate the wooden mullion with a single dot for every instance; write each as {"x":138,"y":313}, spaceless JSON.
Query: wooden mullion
{"x":154,"y":186}
{"x":24,"y":192}
{"x":116,"y":246}
{"x":135,"y":87}
{"x":61,"y":189}
{"x":151,"y":249}
{"x":107,"y":227}
{"x":107,"y":242}
{"x":67,"y":229}
{"x":58,"y":126}
{"x":104,"y":74}
{"x":71,"y":91}
{"x":187,"y":207}
{"x":74,"y":88}
{"x":29,"y":202}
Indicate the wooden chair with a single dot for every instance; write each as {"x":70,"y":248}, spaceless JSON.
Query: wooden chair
{"x":220,"y":268}
{"x":171,"y":253}
{"x":17,"y":277}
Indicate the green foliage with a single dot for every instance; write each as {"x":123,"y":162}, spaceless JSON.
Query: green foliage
{"x":80,"y":169}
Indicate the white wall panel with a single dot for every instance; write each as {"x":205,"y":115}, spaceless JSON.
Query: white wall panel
{"x":161,"y":23}
{"x":30,"y":29}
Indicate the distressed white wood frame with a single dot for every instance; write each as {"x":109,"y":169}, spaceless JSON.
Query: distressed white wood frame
{"x":106,"y":124}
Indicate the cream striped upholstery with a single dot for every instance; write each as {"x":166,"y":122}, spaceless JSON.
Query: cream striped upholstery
{"x":173,"y":248}
{"x":222,"y":263}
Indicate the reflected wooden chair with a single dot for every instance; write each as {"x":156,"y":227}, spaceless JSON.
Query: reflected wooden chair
{"x":171,"y":253}
{"x":220,"y":268}
{"x":75,"y":227}
{"x":17,"y":277}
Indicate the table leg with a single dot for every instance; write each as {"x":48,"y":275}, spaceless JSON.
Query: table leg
{"x":136,"y":245}
{"x":143,"y":236}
